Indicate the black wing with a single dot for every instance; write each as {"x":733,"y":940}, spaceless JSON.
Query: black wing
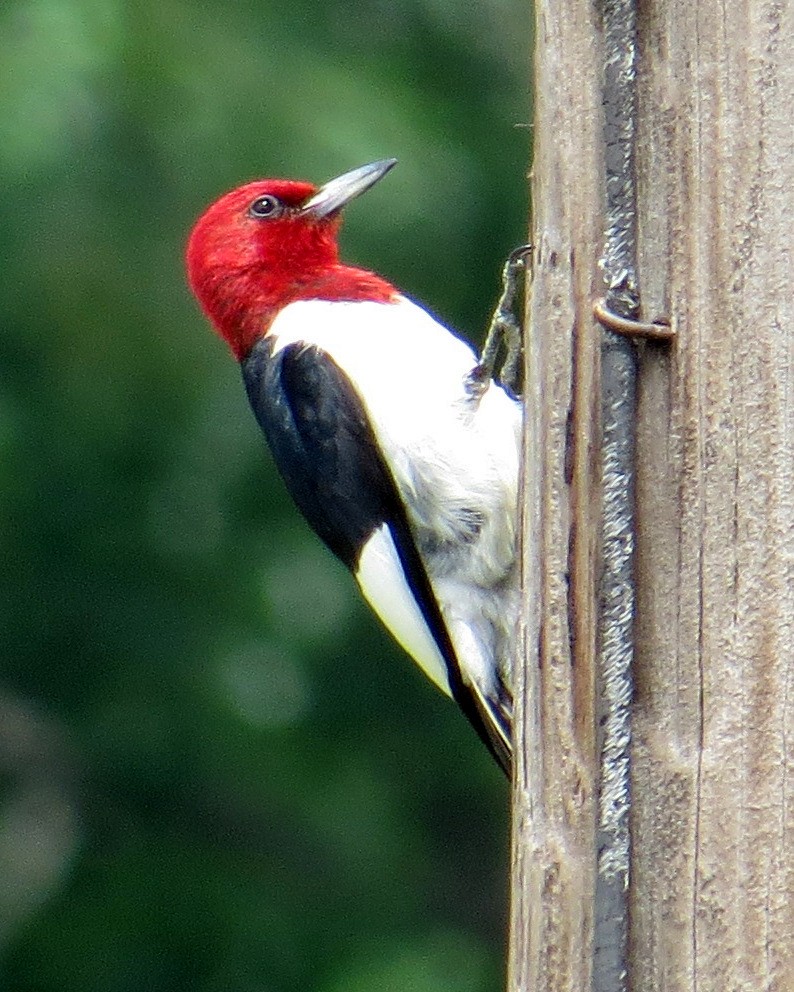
{"x":330,"y":460}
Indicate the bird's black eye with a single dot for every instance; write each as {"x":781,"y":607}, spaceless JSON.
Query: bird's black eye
{"x":265,"y":206}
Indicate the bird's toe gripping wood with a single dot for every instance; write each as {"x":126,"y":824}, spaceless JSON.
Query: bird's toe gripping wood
{"x":504,"y":331}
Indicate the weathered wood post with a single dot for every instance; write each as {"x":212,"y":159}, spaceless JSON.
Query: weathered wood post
{"x":711,"y":896}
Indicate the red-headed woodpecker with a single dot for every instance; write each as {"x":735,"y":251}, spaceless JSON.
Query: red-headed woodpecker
{"x":404,"y":463}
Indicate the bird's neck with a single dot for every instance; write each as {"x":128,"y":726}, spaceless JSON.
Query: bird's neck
{"x":243,"y":305}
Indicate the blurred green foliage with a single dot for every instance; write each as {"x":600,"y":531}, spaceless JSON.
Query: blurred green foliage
{"x":217,"y":772}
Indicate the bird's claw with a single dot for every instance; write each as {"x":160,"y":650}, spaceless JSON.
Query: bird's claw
{"x":504,"y":331}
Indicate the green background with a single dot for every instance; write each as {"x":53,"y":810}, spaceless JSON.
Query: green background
{"x":216,"y":771}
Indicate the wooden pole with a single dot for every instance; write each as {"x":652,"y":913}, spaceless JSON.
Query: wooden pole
{"x":554,"y":798}
{"x":712,"y":900}
{"x":712,"y":875}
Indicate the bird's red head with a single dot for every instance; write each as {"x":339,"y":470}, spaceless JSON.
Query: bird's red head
{"x":271,"y":242}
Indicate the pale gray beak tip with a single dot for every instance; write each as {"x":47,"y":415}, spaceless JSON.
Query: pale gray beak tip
{"x":340,"y":191}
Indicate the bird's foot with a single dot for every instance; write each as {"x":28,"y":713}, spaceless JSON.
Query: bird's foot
{"x":504,"y":332}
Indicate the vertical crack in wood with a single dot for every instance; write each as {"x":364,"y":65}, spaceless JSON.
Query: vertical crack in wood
{"x":617,"y":594}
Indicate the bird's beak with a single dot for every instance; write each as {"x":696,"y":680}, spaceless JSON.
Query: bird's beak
{"x":340,"y":191}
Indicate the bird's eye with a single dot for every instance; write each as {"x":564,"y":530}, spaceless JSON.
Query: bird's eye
{"x":265,"y":206}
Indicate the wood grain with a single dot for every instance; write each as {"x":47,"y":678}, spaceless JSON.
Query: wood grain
{"x":712,"y":882}
{"x":713,"y":826}
{"x":554,"y":870}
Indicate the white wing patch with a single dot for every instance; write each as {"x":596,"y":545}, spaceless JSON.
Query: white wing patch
{"x":382,"y":582}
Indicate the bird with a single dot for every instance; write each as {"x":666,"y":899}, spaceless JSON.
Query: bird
{"x":402,"y":455}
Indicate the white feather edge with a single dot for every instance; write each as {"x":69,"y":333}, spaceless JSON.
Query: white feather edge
{"x":382,"y":582}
